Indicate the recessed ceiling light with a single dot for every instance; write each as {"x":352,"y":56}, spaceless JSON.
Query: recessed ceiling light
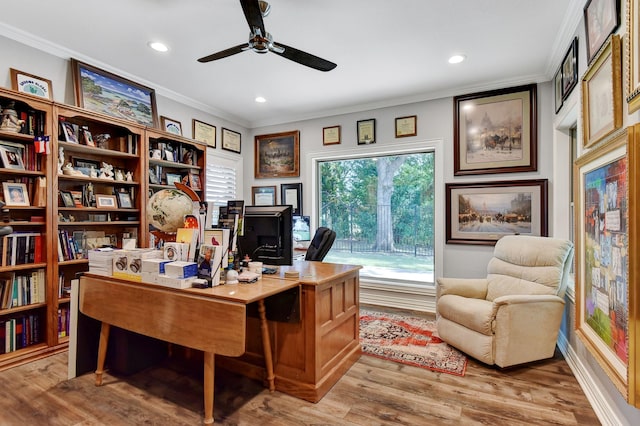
{"x":156,"y":45}
{"x":456,"y":59}
{"x":260,"y":100}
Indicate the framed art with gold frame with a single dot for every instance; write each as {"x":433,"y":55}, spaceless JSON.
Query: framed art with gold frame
{"x":331,"y":135}
{"x":406,"y":126}
{"x":203,"y":132}
{"x":277,"y":155}
{"x":170,"y":125}
{"x":605,"y":216}
{"x":231,"y":141}
{"x":32,"y":84}
{"x":632,"y":54}
{"x":602,"y":94}
{"x":106,"y":201}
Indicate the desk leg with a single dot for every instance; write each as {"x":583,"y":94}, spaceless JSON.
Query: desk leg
{"x":266,"y":343}
{"x":209,"y":371}
{"x":102,"y":351}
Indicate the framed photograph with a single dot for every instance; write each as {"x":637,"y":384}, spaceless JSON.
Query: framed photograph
{"x":277,"y":155}
{"x":605,"y":247}
{"x":124,"y":200}
{"x":570,"y":69}
{"x":77,"y":198}
{"x":11,"y":157}
{"x":366,"y":131}
{"x":15,"y":194}
{"x":85,"y":166}
{"x":67,"y":199}
{"x":331,"y":135}
{"x":69,"y":132}
{"x":32,"y":84}
{"x":602,"y":94}
{"x":601,"y":18}
{"x":87,"y":138}
{"x":170,"y":125}
{"x":231,"y":141}
{"x":98,"y":90}
{"x":496,"y":132}
{"x":406,"y":126}
{"x":291,"y":194}
{"x":633,"y":55}
{"x":106,"y":201}
{"x":557,"y":84}
{"x":263,"y":195}
{"x":203,"y":132}
{"x":194,"y":182}
{"x":173,"y":178}
{"x":481,"y":213}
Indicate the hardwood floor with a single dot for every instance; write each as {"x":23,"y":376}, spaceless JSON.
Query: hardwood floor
{"x":373,"y":392}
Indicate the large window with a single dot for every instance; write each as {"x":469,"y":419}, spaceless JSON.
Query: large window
{"x":382,"y":209}
{"x":221,"y":181}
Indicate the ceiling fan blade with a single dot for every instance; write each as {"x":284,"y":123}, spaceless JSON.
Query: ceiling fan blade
{"x":303,"y":58}
{"x":224,"y":53}
{"x":251,"y":10}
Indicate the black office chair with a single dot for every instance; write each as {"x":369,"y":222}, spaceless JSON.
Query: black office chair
{"x":321,"y":244}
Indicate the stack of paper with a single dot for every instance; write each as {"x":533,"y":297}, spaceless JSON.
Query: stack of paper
{"x":100,"y":261}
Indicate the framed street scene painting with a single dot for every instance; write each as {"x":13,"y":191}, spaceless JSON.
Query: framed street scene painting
{"x":277,"y":155}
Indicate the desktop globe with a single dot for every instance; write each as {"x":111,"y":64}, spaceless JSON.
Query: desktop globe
{"x":167,"y":209}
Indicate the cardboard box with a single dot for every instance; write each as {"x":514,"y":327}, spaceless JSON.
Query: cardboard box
{"x":180,"y":269}
{"x":127,"y":264}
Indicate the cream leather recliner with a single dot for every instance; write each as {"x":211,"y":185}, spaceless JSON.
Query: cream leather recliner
{"x":513,"y":315}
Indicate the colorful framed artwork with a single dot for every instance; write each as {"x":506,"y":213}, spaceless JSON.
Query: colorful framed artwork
{"x":331,"y":135}
{"x":601,"y":18}
{"x":15,"y":194}
{"x":277,"y":155}
{"x":231,"y":141}
{"x":98,"y":90}
{"x":496,"y":132}
{"x":366,"y":131}
{"x":170,"y":125}
{"x":263,"y":195}
{"x":291,"y":194}
{"x":481,"y":213}
{"x":602,"y":94}
{"x":31,"y":84}
{"x":203,"y":132}
{"x":406,"y":126}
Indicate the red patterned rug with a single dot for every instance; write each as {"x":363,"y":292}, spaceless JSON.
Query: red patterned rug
{"x":408,"y":340}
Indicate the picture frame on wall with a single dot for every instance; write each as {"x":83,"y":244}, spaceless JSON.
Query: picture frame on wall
{"x":277,"y":155}
{"x":605,"y":180}
{"x":633,"y":56}
{"x":231,"y":141}
{"x":89,"y":80}
{"x":504,"y":207}
{"x":486,"y":142}
{"x":570,"y":69}
{"x":291,"y":194}
{"x":170,"y":125}
{"x":24,"y":82}
{"x":366,"y":131}
{"x":263,"y":195}
{"x":406,"y":126}
{"x":601,"y":18}
{"x":557,"y":85}
{"x":331,"y":135}
{"x":602,"y":94}
{"x":204,"y":132}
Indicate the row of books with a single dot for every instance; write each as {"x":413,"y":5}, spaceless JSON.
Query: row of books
{"x":68,"y":247}
{"x":21,"y":248}
{"x":18,"y":333}
{"x":64,"y":317}
{"x":34,"y":121}
{"x":24,"y":288}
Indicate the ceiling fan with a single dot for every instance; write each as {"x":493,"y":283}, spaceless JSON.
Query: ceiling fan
{"x":261,"y":41}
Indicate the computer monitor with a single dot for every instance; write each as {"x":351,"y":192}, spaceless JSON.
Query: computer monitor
{"x":302,"y":228}
{"x":267,"y":234}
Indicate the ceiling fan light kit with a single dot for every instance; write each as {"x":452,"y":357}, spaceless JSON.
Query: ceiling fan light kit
{"x":260,"y":41}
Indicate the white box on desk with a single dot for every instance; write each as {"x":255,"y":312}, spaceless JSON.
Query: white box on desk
{"x":176,"y":251}
{"x":149,"y":277}
{"x":127,"y":264}
{"x":154,"y":265}
{"x":181,"y":269}
{"x":173,"y":282}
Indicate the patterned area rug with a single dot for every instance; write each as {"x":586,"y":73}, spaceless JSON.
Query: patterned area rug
{"x":408,"y":340}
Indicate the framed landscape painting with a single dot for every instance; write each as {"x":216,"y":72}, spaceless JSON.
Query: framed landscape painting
{"x":481,"y":213}
{"x":495,"y":131}
{"x":101,"y":91}
{"x":277,"y":155}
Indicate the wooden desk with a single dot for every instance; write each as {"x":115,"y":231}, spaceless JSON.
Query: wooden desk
{"x":212,"y":320}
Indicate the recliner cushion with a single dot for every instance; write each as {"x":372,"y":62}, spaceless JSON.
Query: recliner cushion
{"x":475,"y":314}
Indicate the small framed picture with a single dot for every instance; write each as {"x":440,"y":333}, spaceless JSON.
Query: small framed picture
{"x":570,"y":69}
{"x":367,"y":131}
{"x":124,"y":200}
{"x":67,"y":199}
{"x":77,"y":198}
{"x":11,"y":157}
{"x":68,"y":132}
{"x":31,"y":84}
{"x":291,"y":194}
{"x":263,"y":195}
{"x":557,"y":82}
{"x":173,"y":178}
{"x":15,"y":194}
{"x":406,"y":126}
{"x":601,"y":18}
{"x":231,"y":141}
{"x":194,"y":182}
{"x":331,"y":135}
{"x":106,"y":201}
{"x":170,"y":125}
{"x":203,"y":132}
{"x":87,"y":139}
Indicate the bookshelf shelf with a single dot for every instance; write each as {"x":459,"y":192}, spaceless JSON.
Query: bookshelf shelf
{"x":22,"y":308}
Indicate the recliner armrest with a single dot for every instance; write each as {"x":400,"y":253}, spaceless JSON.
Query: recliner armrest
{"x":475,"y":288}
{"x":527,"y":298}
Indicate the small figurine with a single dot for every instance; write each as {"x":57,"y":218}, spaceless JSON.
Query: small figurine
{"x":129,"y":176}
{"x":102,"y":139}
{"x":70,"y":171}
{"x":106,"y":172}
{"x":10,"y":121}
{"x":119,"y":176}
{"x":60,"y":159}
{"x":93,"y":172}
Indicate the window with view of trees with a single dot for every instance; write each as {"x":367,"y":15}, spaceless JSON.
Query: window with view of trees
{"x":382,"y":209}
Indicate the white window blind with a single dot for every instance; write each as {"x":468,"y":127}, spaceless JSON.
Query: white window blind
{"x":221,"y":181}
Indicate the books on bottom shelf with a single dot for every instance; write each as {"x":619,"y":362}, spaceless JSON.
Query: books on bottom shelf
{"x":18,"y":333}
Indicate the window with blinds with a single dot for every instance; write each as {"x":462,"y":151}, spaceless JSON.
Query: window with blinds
{"x":221,"y":181}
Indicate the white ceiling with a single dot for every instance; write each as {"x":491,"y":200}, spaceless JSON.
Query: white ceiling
{"x":388,"y":52}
